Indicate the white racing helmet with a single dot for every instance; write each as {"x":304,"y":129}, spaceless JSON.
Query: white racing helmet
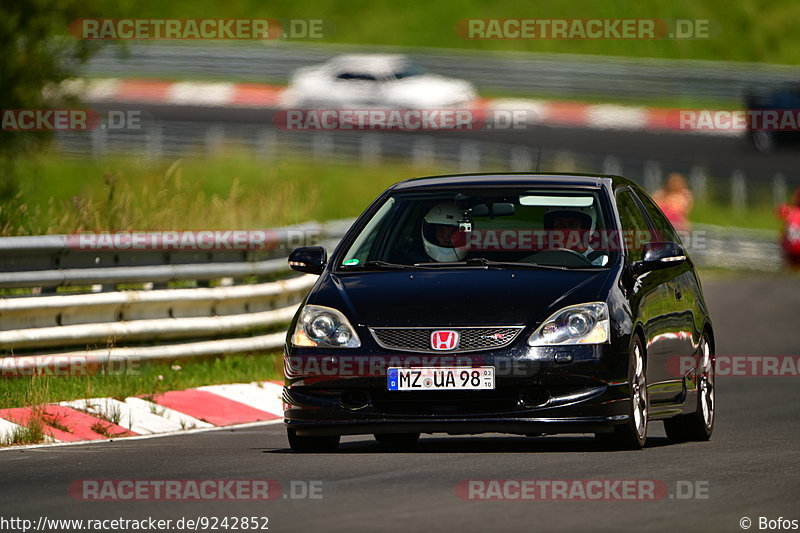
{"x":442,"y":214}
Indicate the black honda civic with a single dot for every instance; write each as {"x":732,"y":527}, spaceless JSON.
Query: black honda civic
{"x":529,"y":304}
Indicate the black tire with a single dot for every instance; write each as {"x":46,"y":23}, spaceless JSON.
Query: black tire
{"x":632,"y":434}
{"x":698,"y":425}
{"x":315,"y":444}
{"x":397,"y":441}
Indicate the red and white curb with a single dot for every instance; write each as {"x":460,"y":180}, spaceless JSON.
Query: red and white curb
{"x":207,"y":407}
{"x":178,"y":93}
{"x":255,"y":95}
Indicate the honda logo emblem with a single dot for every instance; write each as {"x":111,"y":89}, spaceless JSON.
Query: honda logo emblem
{"x":444,"y":339}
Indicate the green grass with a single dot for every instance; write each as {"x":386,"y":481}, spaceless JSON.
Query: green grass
{"x":31,"y":433}
{"x":141,"y":379}
{"x":67,"y":195}
{"x":714,"y":274}
{"x":744,"y":30}
{"x":758,"y":217}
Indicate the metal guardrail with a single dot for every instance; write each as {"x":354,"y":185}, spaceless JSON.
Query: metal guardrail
{"x":566,"y":75}
{"x":69,"y":320}
{"x":101,"y":320}
{"x":735,"y":248}
{"x":55,"y":260}
{"x":50,"y":261}
{"x":189,"y":322}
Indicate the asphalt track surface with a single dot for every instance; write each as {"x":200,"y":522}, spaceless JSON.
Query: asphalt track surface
{"x":751,"y":467}
{"x":719,"y":155}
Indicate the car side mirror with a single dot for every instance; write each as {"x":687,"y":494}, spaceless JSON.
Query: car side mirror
{"x":659,"y":255}
{"x":310,"y":259}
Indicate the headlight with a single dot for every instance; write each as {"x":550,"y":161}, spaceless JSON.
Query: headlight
{"x":577,"y":324}
{"x":324,"y":327}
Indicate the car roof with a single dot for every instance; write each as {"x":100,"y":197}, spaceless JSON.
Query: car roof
{"x":512,"y":179}
{"x":370,"y":62}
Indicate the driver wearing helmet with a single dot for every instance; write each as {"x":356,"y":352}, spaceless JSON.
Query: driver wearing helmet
{"x":440,"y":233}
{"x":567,"y":221}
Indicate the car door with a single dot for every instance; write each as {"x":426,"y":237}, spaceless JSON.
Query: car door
{"x":651,"y":301}
{"x":683,"y":286}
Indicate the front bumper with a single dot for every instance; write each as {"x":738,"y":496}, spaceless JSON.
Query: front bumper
{"x":519,"y":426}
{"x":533,"y":394}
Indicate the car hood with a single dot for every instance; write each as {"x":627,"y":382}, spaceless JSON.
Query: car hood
{"x":457,"y":297}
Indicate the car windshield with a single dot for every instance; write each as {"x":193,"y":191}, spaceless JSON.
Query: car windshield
{"x":359,"y":76}
{"x":366,"y":70}
{"x":408,"y":70}
{"x":503,"y":228}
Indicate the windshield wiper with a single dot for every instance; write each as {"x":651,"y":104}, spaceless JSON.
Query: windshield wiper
{"x":483,"y":262}
{"x":383,"y":265}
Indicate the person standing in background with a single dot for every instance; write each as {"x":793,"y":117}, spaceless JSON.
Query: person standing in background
{"x":790,"y":239}
{"x":675,"y":200}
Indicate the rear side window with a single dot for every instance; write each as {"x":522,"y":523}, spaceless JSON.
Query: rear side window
{"x":633,"y":222}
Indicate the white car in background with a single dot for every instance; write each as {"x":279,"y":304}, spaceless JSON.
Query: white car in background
{"x":357,"y":81}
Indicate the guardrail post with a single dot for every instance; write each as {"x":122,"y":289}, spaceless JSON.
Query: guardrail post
{"x":738,"y":190}
{"x":612,"y":165}
{"x":267,"y":144}
{"x":322,"y":146}
{"x":422,"y":152}
{"x":779,"y":191}
{"x":698,"y":183}
{"x":652,"y":176}
{"x":99,"y":138}
{"x":154,"y":142}
{"x":370,"y":149}
{"x":469,"y":157}
{"x":215,"y":137}
{"x":521,"y":160}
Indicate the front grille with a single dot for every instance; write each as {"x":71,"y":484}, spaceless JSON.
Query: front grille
{"x":470,"y":339}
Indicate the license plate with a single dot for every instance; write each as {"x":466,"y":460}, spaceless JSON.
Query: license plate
{"x":441,"y":378}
